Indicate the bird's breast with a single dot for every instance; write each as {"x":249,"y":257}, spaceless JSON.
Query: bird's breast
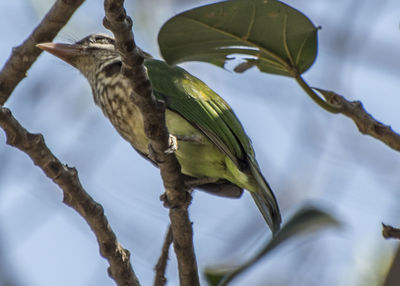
{"x":112,"y":95}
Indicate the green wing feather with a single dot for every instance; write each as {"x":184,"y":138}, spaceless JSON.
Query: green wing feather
{"x":197,"y":103}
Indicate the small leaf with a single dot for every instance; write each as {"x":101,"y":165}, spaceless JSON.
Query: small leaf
{"x":279,"y":39}
{"x":306,"y":220}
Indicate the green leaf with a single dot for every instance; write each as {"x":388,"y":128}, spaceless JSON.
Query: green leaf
{"x":307,"y":220}
{"x":274,"y":37}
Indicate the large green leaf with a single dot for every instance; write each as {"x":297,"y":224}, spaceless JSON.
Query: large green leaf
{"x":277,"y":38}
{"x":306,"y":220}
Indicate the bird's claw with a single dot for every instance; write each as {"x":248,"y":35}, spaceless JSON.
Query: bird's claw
{"x":172,"y":147}
{"x":173,"y":144}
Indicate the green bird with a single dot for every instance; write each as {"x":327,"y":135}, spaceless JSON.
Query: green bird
{"x":211,"y":142}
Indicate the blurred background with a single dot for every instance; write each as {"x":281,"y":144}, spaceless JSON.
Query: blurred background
{"x":310,"y":157}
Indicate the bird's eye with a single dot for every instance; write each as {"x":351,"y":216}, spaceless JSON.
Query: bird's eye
{"x":98,"y":38}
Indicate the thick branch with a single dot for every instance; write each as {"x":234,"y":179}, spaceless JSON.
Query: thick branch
{"x":152,"y":110}
{"x":153,"y":113}
{"x":161,"y":265}
{"x":74,"y":196}
{"x":365,"y":122}
{"x":24,"y":55}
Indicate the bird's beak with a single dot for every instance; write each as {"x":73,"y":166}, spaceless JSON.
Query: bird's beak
{"x":66,"y":52}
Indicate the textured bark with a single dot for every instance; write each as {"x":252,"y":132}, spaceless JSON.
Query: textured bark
{"x":364,"y":121}
{"x":161,"y":265}
{"x":74,"y":196}
{"x":176,"y":196}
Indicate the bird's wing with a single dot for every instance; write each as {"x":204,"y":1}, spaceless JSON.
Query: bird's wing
{"x":197,"y":103}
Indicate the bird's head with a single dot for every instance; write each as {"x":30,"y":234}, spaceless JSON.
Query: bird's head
{"x":90,"y":55}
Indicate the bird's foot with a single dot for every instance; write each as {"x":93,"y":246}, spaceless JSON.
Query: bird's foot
{"x":173,"y":141}
{"x":173,"y":144}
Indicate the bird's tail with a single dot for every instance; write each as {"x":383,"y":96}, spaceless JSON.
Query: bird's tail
{"x":265,"y":199}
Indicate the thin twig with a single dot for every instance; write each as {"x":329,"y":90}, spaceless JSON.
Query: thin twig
{"x":23,"y":56}
{"x":176,"y":195}
{"x":314,"y":96}
{"x":364,"y":121}
{"x":161,"y":265}
{"x":389,"y":231}
{"x":74,"y":196}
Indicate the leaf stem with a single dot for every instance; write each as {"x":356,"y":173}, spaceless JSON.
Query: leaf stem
{"x":315,"y":97}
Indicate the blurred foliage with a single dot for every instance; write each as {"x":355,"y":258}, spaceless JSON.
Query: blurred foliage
{"x":305,"y":221}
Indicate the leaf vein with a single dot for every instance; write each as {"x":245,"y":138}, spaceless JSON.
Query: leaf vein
{"x":249,"y":43}
{"x":251,"y":24}
{"x":285,"y":42}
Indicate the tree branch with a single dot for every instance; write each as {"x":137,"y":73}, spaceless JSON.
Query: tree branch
{"x":161,"y":265}
{"x":176,"y":195}
{"x":74,"y":196}
{"x":364,"y":121}
{"x":389,"y":231}
{"x":23,"y":56}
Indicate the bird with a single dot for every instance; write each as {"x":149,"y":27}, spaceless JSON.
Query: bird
{"x":211,"y":141}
